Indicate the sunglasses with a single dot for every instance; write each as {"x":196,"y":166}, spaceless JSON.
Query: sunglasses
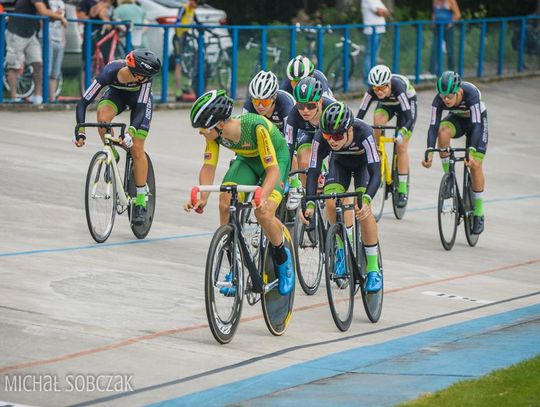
{"x":262,"y":102}
{"x":379,"y":88}
{"x":308,"y":105}
{"x":335,"y":137}
{"x":448,"y":97}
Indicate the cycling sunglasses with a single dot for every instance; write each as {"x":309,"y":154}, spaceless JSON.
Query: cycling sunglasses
{"x":308,"y":105}
{"x":335,"y":137}
{"x":379,"y":88}
{"x":262,"y":102}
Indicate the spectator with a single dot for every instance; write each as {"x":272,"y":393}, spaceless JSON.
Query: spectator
{"x":186,"y":15}
{"x":373,"y":13}
{"x":57,"y":37}
{"x":95,"y":10}
{"x":128,"y":10}
{"x":23,"y":45}
{"x":443,"y":11}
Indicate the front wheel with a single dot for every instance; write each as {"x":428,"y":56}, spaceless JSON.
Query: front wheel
{"x":100,"y":197}
{"x":140,"y":231}
{"x":468,"y":205}
{"x":335,"y":72}
{"x":377,"y":203}
{"x":398,"y":212}
{"x":448,"y":212}
{"x":223,"y":285}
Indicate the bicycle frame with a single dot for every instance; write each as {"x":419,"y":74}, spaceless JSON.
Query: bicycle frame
{"x":114,"y":37}
{"x":385,"y":164}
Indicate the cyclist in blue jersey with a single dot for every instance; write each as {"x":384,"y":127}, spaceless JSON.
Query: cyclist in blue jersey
{"x":129,"y":84}
{"x":467,"y":116}
{"x":299,"y":68}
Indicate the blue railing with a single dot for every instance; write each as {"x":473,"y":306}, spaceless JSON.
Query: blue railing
{"x":406,"y":47}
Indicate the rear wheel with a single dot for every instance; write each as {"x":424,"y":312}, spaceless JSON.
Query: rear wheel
{"x":372,"y":301}
{"x":377,"y":203}
{"x":140,"y":231}
{"x":100,"y":197}
{"x":25,"y":81}
{"x":468,"y":204}
{"x":335,"y":72}
{"x":398,"y":212}
{"x":448,"y":212}
{"x":339,"y":286}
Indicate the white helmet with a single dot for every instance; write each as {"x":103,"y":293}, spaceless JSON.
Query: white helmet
{"x":299,"y":67}
{"x":264,"y":85}
{"x":379,"y":75}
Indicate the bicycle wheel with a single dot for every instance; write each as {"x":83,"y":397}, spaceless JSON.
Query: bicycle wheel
{"x":100,"y":197}
{"x":309,"y":253}
{"x":448,"y":212}
{"x":277,"y":308}
{"x":25,"y":82}
{"x":372,"y":301}
{"x":223,"y":271}
{"x":340,"y":289}
{"x":59,"y":84}
{"x":223,"y":68}
{"x":468,"y":206}
{"x":140,"y":231}
{"x":399,"y":213}
{"x":335,"y":70}
{"x":377,"y":203}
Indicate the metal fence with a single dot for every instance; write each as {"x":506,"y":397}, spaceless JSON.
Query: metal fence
{"x":228,"y":56}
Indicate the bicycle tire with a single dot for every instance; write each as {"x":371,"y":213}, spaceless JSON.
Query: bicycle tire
{"x":141,"y":231}
{"x":335,"y":71}
{"x":373,"y":302}
{"x":223,"y":325}
{"x":277,"y":308}
{"x":340,"y":290}
{"x":377,"y":202}
{"x":448,"y":212}
{"x":468,"y":206}
{"x":399,"y":213}
{"x":25,"y":82}
{"x":309,"y":248}
{"x":97,"y":180}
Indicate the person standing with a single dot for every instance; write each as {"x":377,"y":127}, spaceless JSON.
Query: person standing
{"x":373,"y":14}
{"x":445,"y":12}
{"x":57,"y":41}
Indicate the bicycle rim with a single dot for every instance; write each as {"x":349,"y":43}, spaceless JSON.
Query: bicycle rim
{"x":223,"y":312}
{"x":468,"y":205}
{"x":448,"y":212}
{"x":100,"y":197}
{"x":277,"y":308}
{"x":140,"y":231}
{"x":310,"y":255}
{"x":372,"y":301}
{"x":377,"y":203}
{"x":340,"y":290}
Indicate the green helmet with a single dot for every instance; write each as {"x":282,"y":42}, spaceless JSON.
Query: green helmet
{"x":336,"y":118}
{"x":210,"y":108}
{"x":308,"y":89}
{"x":299,"y":67}
{"x":448,"y":83}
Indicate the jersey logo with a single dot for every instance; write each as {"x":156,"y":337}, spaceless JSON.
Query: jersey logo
{"x":207,"y":156}
{"x":268,"y":159}
{"x":314,"y":148}
{"x":304,"y":87}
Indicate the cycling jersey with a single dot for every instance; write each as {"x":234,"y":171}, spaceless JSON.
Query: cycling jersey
{"x":357,"y":157}
{"x":469,"y":117}
{"x":283,"y":105}
{"x":287,"y":87}
{"x":401,"y":102}
{"x":299,"y":132}
{"x":186,"y":15}
{"x":135,"y":95}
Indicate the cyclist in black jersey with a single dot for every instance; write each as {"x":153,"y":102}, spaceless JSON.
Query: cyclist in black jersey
{"x":467,"y":116}
{"x":268,"y":100}
{"x":299,"y":68}
{"x":129,"y":84}
{"x":396,"y":97}
{"x":353,"y":153}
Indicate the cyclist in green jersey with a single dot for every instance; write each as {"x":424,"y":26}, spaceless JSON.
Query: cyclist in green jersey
{"x":262,"y":157}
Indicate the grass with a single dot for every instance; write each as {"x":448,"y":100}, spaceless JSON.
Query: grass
{"x":516,"y":386}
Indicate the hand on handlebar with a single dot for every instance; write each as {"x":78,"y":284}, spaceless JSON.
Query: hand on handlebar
{"x":79,"y":139}
{"x":197,"y":207}
{"x":427,"y":163}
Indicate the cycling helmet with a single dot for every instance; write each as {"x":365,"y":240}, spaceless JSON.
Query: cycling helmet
{"x":448,"y":83}
{"x":299,"y":67}
{"x":143,"y":62}
{"x":379,"y":75}
{"x":264,"y":85}
{"x":211,"y":108}
{"x":308,"y":89}
{"x":336,"y":118}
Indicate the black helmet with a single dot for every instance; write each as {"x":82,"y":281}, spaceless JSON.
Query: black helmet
{"x":448,"y":83}
{"x":143,"y":62}
{"x":210,"y":108}
{"x":336,"y":118}
{"x":308,"y":89}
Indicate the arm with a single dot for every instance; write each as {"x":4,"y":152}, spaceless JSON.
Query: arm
{"x":436,"y":113}
{"x":268,"y":157}
{"x":456,"y":13}
{"x":405,"y":106}
{"x":291,"y":132}
{"x":373,"y":166}
{"x":319,"y":151}
{"x":364,"y":105}
{"x":43,"y":10}
{"x":89,"y":95}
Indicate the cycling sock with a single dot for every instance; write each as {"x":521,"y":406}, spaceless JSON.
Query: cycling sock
{"x":372,"y":254}
{"x":402,"y":187}
{"x":478,"y":198}
{"x":280,"y":255}
{"x":295,"y":182}
{"x":141,"y":196}
{"x":445,"y":164}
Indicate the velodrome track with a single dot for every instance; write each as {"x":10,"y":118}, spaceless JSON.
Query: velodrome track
{"x":136,"y":308}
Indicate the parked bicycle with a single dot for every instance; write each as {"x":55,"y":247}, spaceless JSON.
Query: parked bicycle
{"x":342,"y":288}
{"x":335,"y":70}
{"x":25,"y":82}
{"x":389,"y":176}
{"x":455,"y":206}
{"x":225,"y":284}
{"x":107,"y":194}
{"x":277,"y":65}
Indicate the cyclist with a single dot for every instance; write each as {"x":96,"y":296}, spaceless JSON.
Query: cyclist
{"x":302,"y":122}
{"x":300,"y":67}
{"x":467,"y":116}
{"x":396,"y":97}
{"x":353,"y":153}
{"x":268,"y":100}
{"x":129,"y":84}
{"x":262,"y":155}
